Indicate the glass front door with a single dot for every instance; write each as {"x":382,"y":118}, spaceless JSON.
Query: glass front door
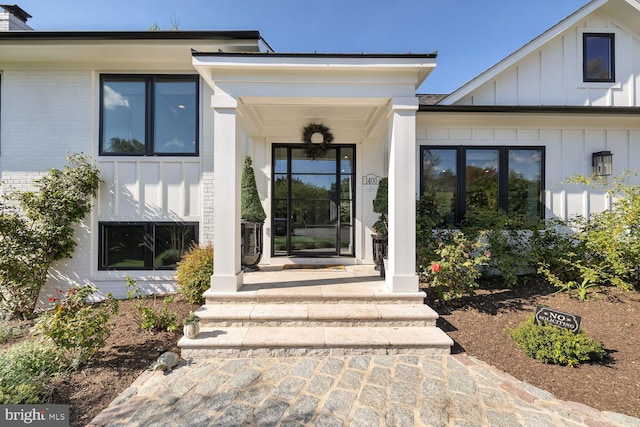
{"x":313,"y":207}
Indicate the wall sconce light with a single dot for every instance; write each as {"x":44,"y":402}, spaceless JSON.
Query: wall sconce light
{"x":602,"y":163}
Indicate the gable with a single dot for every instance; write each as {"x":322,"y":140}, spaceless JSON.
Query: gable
{"x":549,"y":70}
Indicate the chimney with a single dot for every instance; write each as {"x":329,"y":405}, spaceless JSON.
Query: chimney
{"x":13,"y":18}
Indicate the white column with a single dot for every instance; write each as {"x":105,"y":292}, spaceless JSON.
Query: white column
{"x":401,"y":273}
{"x":227,"y":272}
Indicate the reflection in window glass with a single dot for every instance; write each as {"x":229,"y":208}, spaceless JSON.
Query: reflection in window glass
{"x":144,"y":246}
{"x":598,"y":57}
{"x":147,"y":115}
{"x":171,"y":242}
{"x":439,"y":178}
{"x":525,"y":187}
{"x":346,"y":160}
{"x":280,"y":160}
{"x":175,"y":113}
{"x":301,"y":163}
{"x":482,"y":180}
{"x":515,"y":188}
{"x":123,"y":246}
{"x":123,"y":116}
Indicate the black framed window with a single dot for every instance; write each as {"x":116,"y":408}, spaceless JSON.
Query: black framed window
{"x":144,"y":245}
{"x":463,"y":179}
{"x":148,"y":115}
{"x":598,"y":52}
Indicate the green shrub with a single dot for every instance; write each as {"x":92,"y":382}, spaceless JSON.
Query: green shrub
{"x":250,"y":206}
{"x":8,"y":332}
{"x":75,"y":325}
{"x":507,"y":237}
{"x":381,"y":207}
{"x":193,"y":274}
{"x":587,"y":254}
{"x":457,"y":266}
{"x":151,"y":318}
{"x":26,"y":371}
{"x":550,"y":344}
{"x":42,"y":231}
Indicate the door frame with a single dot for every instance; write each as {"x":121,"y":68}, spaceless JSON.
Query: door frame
{"x":308,"y":254}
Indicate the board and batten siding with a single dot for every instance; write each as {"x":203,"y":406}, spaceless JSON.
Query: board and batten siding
{"x":552,"y":74}
{"x":569,"y":141}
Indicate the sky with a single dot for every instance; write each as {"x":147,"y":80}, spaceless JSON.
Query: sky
{"x":469,"y":36}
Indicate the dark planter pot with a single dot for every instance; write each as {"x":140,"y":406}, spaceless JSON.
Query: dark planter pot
{"x":251,"y":244}
{"x":379,"y":250}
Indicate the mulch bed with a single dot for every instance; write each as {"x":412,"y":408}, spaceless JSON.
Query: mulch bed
{"x":478,"y":326}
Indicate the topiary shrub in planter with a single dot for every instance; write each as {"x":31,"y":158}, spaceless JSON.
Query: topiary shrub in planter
{"x":380,"y":237}
{"x":550,"y":344}
{"x":253,"y":217}
{"x":194,"y":271}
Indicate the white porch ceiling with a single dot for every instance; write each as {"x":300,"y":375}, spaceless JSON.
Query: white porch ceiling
{"x":286,"y":121}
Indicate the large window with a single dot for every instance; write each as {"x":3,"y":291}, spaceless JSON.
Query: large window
{"x":144,"y":245}
{"x":465,"y":179}
{"x":149,"y":115}
{"x":598,"y":57}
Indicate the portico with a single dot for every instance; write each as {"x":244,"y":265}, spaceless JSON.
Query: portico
{"x":368,"y":101}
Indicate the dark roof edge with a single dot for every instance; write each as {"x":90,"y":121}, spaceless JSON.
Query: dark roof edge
{"x":320,"y":55}
{"x":17,"y":11}
{"x":528,"y":109}
{"x":129,"y":35}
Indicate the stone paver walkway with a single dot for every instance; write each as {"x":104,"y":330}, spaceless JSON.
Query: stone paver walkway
{"x":399,"y":390}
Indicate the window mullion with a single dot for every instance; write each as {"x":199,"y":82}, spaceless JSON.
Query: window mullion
{"x":503,"y":179}
{"x":461,"y":196}
{"x":149,"y":117}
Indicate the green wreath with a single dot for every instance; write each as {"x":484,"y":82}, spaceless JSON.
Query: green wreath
{"x":316,"y":150}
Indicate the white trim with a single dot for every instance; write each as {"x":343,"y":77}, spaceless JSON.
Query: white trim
{"x":519,"y":54}
{"x":617,"y":84}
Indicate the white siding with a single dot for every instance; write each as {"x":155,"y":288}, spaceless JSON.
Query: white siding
{"x":552,"y":74}
{"x":569,"y":141}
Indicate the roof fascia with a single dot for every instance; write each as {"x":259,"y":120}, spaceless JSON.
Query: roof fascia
{"x":560,"y":109}
{"x":423,"y":64}
{"x":129,"y":35}
{"x":525,"y":50}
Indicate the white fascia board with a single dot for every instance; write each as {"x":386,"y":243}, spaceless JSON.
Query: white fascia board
{"x":420,"y":65}
{"x":634,"y":3}
{"x":516,"y":56}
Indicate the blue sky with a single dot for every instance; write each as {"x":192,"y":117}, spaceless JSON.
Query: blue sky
{"x":469,"y":35}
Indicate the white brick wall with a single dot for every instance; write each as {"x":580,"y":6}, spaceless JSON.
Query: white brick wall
{"x":47,"y":115}
{"x":206,"y":156}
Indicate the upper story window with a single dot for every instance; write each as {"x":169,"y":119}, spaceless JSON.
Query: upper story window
{"x":148,"y":115}
{"x":598,"y":57}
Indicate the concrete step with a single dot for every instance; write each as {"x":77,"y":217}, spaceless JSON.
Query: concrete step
{"x":313,"y":295}
{"x":318,"y":314}
{"x":264,"y":341}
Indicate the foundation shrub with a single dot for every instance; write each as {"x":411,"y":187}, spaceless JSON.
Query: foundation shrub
{"x":586,"y":255}
{"x":193,"y":274}
{"x":151,"y":317}
{"x":507,"y":238}
{"x":41,"y":231}
{"x":9,"y":332}
{"x":457,"y":265}
{"x":27,"y":369}
{"x":75,"y":325}
{"x":550,"y":344}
